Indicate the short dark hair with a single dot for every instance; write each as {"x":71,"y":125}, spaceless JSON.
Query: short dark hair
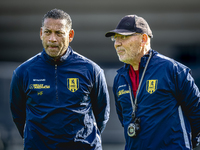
{"x":58,"y":14}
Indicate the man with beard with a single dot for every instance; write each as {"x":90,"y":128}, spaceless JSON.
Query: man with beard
{"x":157,"y":101}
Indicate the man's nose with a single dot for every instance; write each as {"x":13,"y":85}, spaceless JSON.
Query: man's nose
{"x":117,"y":43}
{"x":52,"y":38}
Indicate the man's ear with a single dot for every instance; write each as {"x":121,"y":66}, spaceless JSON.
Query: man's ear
{"x":71,"y":35}
{"x":144,"y":39}
{"x":41,"y":33}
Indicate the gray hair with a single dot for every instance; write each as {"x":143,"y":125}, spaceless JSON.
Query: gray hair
{"x":58,"y":14}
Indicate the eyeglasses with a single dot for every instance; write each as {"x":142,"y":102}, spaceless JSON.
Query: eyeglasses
{"x":121,"y":37}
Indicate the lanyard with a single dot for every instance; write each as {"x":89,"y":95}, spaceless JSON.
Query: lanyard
{"x":134,"y":105}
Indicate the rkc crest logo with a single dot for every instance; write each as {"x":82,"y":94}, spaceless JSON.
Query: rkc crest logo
{"x":73,"y":84}
{"x":151,"y":86}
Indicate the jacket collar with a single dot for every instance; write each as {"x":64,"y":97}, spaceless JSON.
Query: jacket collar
{"x":50,"y":60}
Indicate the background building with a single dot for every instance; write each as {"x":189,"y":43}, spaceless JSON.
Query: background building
{"x":175,"y":25}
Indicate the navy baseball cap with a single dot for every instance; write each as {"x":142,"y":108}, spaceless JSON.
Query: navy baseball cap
{"x":129,"y":25}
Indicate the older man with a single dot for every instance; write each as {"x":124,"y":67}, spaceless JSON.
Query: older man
{"x":157,"y":101}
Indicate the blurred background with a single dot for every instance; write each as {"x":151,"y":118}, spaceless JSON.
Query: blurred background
{"x":175,"y":25}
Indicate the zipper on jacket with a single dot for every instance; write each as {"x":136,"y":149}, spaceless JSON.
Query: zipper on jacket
{"x":56,"y":82}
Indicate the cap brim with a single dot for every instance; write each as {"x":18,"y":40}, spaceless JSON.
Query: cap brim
{"x":119,"y":31}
